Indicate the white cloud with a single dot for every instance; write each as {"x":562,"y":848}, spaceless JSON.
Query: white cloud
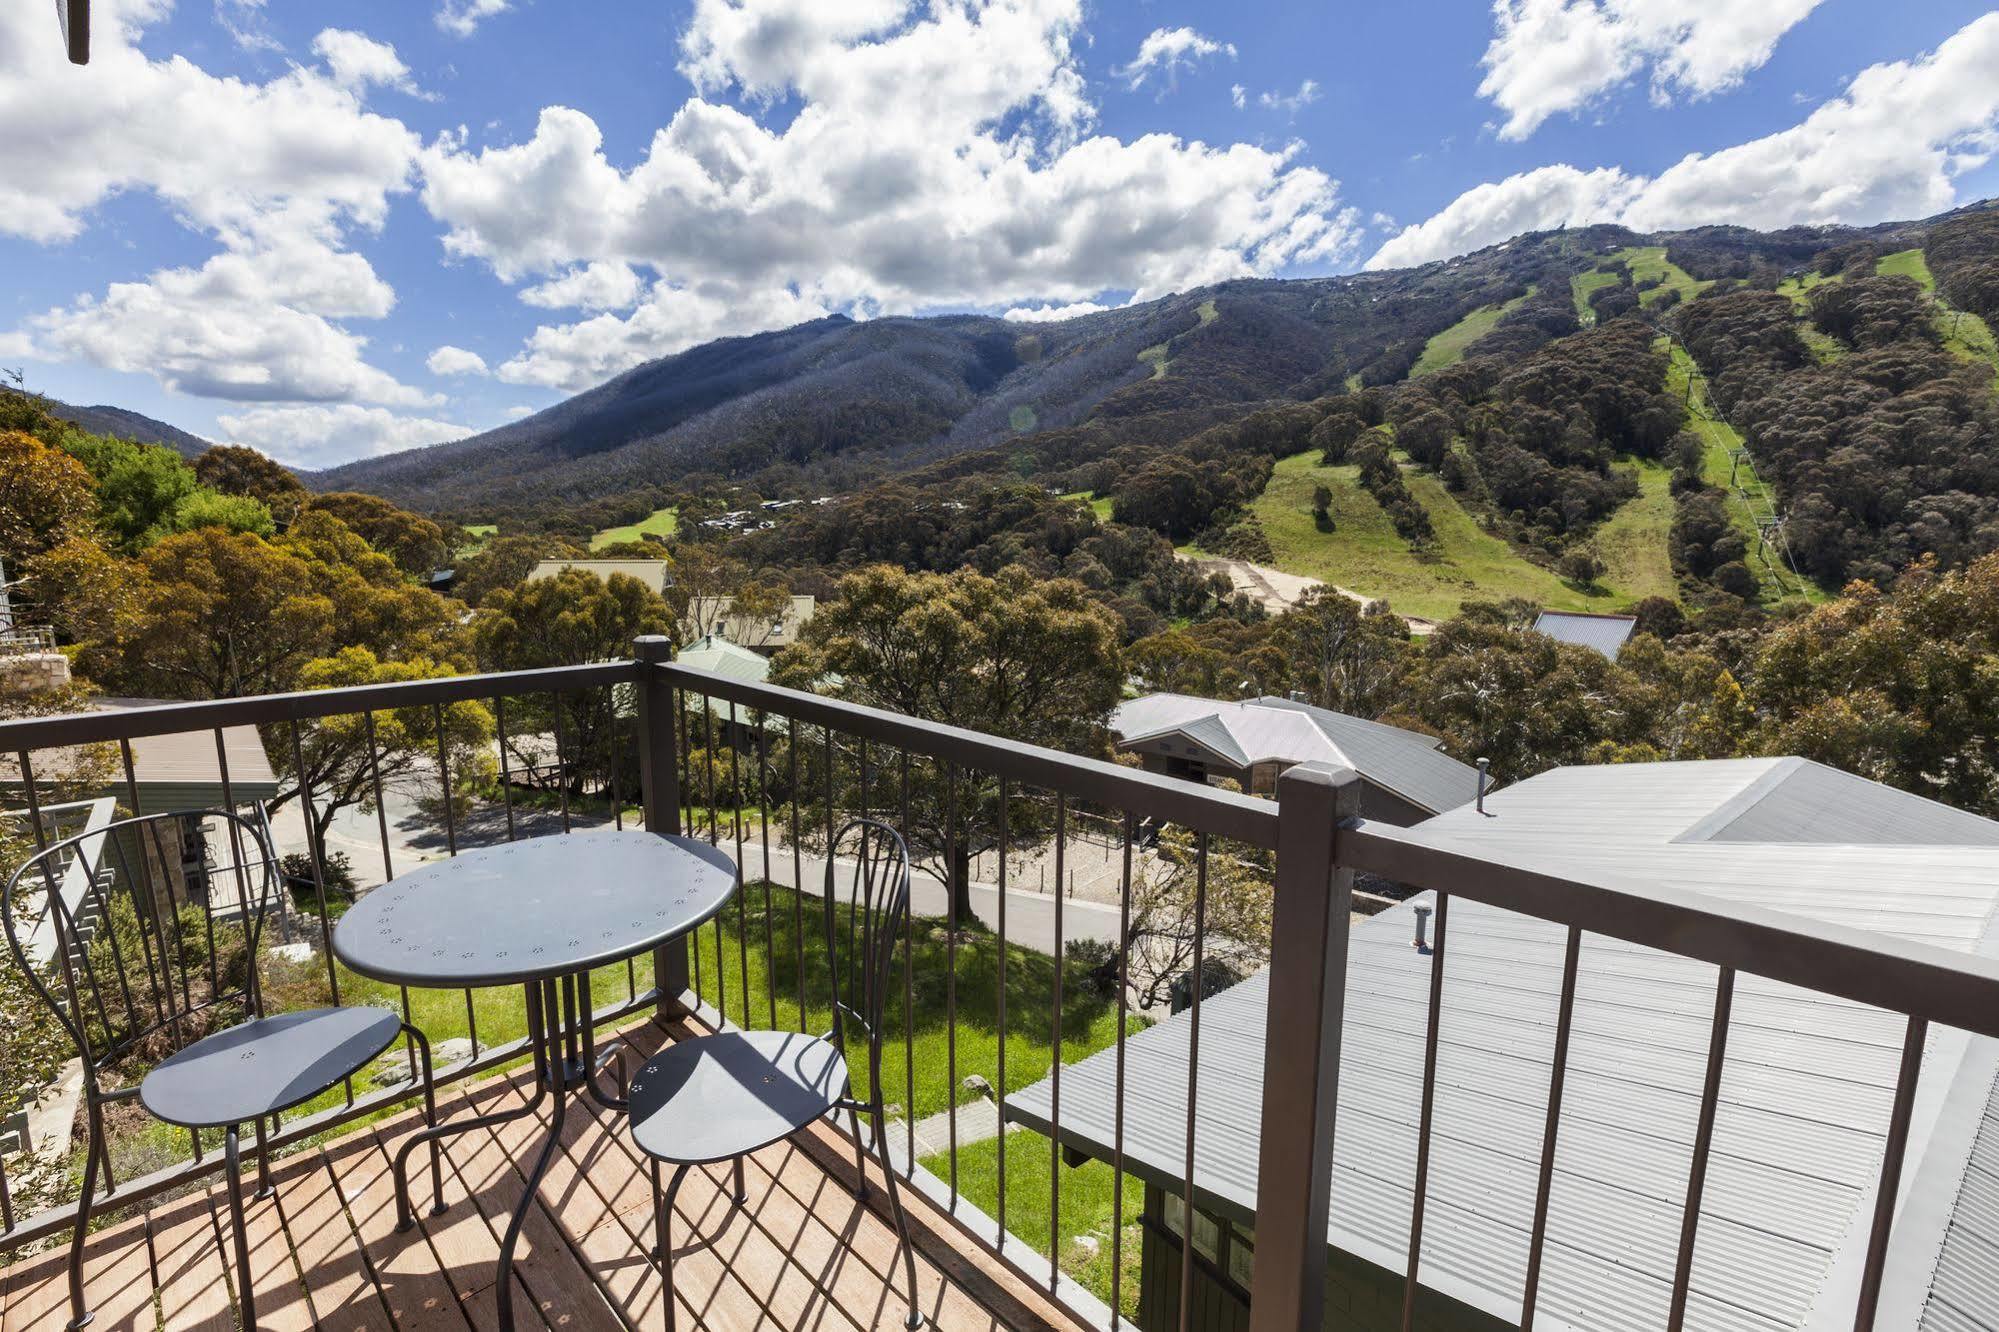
{"x":1536,"y":200}
{"x":1238,"y":95}
{"x":1165,"y":52}
{"x":1291,"y":103}
{"x":518,"y":411}
{"x":936,"y":155}
{"x":669,"y":319}
{"x":449,"y":360}
{"x":1048,"y":314}
{"x":357,"y":61}
{"x":461,"y":18}
{"x":322,"y":436}
{"x":1548,"y":57}
{"x":197,"y":332}
{"x":1891,"y":146}
{"x":243,"y":20}
{"x":277,"y":173}
{"x":599,"y":286}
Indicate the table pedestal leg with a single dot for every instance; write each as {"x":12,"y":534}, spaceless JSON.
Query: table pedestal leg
{"x":537,"y":1040}
{"x":552,"y":1045}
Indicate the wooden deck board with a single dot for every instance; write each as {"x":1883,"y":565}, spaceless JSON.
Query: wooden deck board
{"x":801,"y":1254}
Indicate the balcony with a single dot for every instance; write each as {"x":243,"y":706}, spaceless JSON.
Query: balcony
{"x":1363,"y":1133}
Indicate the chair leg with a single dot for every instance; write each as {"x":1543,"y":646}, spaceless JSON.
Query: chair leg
{"x":860,"y":1160}
{"x":80,"y":1316}
{"x":430,"y":1122}
{"x":265,"y":1189}
{"x":233,"y":1159}
{"x":915,"y":1318}
{"x":661,"y":1219}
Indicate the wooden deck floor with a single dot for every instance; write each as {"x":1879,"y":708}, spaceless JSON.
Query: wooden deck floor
{"x":803,"y":1253}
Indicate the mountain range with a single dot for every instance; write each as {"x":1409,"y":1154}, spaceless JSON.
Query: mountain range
{"x":896,"y":392}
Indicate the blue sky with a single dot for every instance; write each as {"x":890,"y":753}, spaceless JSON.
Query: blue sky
{"x":346,"y":227}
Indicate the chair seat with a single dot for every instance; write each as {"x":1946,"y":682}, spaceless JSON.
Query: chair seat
{"x":726,"y":1095}
{"x":265,"y":1065}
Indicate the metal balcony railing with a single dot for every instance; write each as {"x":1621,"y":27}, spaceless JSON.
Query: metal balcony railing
{"x":768,"y":772}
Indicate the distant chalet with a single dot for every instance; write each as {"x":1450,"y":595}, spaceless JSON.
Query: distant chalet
{"x":1601,"y":633}
{"x":1405,"y":775}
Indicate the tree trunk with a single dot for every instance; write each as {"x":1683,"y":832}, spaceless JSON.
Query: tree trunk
{"x":959,"y":859}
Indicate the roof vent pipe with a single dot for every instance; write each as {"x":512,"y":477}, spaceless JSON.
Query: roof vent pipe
{"x":1299,"y":696}
{"x":1421,"y":943}
{"x":1484,"y":767}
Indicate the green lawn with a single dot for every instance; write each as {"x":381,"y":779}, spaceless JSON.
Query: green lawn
{"x":1086,"y":1200}
{"x":1100,"y":507}
{"x":1449,"y":346}
{"x":660,"y":522}
{"x":480,"y":533}
{"x":1364,"y":552}
{"x":1089,"y":1019}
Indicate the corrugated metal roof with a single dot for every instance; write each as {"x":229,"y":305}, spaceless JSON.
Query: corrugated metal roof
{"x":1261,"y":730}
{"x":719,"y":655}
{"x":187,"y":759}
{"x":1805,"y":1092}
{"x":1604,"y":633}
{"x":655,"y":574}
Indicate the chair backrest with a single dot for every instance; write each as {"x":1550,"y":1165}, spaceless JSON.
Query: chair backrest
{"x":876,"y":908}
{"x":118,"y":968}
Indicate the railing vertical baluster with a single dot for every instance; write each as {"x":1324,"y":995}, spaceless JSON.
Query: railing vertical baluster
{"x":797,"y":880}
{"x":1117,"y":1108}
{"x":832,"y":821}
{"x":1425,"y":1117}
{"x":658,"y":717}
{"x":1055,"y":1063}
{"x":306,"y":816}
{"x":1194,"y":1071}
{"x":763,"y":823}
{"x":444,"y":780}
{"x":556,"y":700}
{"x":6,"y":1200}
{"x":1544,"y":1185}
{"x":999,"y":1088}
{"x":908,"y":998}
{"x":715,"y":840}
{"x":952,"y":889}
{"x":1892,"y":1155}
{"x":1313,"y":903}
{"x":742,"y":886}
{"x":1683,"y":1267}
{"x":506,"y":769}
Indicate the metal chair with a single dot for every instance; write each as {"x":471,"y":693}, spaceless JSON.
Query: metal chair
{"x":155,"y":981}
{"x":722,"y":1097}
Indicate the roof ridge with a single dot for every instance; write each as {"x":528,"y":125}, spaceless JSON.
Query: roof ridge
{"x":1702,"y":830}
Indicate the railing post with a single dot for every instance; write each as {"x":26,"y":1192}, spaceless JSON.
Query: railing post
{"x":1301,"y":1055}
{"x":659,"y":782}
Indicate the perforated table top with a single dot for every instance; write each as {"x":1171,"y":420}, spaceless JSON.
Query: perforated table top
{"x":533,"y":909}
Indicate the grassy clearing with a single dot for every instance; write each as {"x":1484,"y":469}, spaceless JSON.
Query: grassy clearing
{"x":660,"y":522}
{"x":1100,"y":506}
{"x":1363,"y":552}
{"x":1649,"y":261}
{"x":1908,"y":264}
{"x":1449,"y":346}
{"x":1799,"y":289}
{"x":1086,"y":1202}
{"x":1158,"y":355}
{"x":1637,"y":559}
{"x":1720,"y":442}
{"x":1584,"y":285}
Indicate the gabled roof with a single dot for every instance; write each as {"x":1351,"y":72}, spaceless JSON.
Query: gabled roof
{"x":718,"y":654}
{"x":1805,"y":1094}
{"x":1262,"y":730}
{"x":1605,"y":633}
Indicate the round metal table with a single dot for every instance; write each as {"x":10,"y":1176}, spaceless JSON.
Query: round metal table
{"x":541,"y":913}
